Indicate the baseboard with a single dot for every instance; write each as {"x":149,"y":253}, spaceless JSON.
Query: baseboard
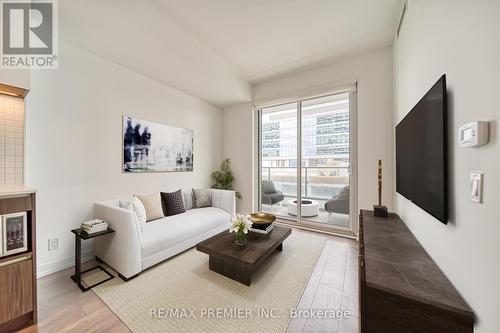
{"x":59,"y":265}
{"x":291,"y":223}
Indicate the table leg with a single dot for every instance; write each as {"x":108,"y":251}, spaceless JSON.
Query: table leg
{"x":78,"y":257}
{"x":78,"y":268}
{"x":280,"y":247}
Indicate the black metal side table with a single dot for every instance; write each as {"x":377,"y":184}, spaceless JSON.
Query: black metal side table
{"x":77,"y":278}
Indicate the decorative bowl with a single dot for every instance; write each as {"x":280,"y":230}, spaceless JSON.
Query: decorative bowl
{"x":262,"y":218}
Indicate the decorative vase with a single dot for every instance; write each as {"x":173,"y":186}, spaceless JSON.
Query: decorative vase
{"x":240,"y":239}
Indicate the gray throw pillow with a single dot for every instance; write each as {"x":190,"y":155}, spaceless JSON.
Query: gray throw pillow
{"x":268,"y":187}
{"x":343,"y":194}
{"x":202,"y":198}
{"x":188,"y":200}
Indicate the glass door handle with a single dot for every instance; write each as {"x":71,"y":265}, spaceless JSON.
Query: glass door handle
{"x":349,"y":169}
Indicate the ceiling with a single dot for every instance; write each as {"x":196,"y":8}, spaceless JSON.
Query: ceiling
{"x":217,"y":49}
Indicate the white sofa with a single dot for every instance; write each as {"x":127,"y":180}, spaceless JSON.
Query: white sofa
{"x":130,"y":250}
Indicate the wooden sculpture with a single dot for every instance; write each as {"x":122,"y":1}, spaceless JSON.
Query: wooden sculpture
{"x":379,"y":210}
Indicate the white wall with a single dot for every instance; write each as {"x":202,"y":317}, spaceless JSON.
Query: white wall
{"x":20,"y":78}
{"x":74,"y":142}
{"x":373,"y":70}
{"x":237,"y":136}
{"x":459,"y":39}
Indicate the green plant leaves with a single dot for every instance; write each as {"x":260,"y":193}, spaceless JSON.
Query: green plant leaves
{"x":223,"y":179}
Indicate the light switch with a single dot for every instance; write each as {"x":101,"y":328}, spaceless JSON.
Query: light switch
{"x":476,"y":187}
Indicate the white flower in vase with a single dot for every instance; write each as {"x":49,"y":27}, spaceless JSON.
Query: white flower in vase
{"x":241,"y":225}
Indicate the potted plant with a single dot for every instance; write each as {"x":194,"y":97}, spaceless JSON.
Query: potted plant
{"x":223,"y":179}
{"x":241,"y":225}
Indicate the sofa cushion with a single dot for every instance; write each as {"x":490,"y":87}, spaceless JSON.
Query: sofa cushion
{"x":343,"y":194}
{"x":137,"y":207}
{"x":188,"y":200}
{"x":171,"y":230}
{"x":173,"y":203}
{"x":127,"y":204}
{"x":152,"y":204}
{"x":202,"y":198}
{"x":268,"y":187}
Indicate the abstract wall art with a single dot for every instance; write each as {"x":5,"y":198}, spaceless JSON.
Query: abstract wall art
{"x":153,"y":147}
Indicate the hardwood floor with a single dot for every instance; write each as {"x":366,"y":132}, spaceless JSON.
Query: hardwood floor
{"x":333,"y":285}
{"x":62,"y":307}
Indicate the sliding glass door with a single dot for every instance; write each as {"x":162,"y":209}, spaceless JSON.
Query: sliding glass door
{"x":308,"y":142}
{"x":278,"y":150}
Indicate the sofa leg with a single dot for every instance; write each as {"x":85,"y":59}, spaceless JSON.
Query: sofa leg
{"x":127,"y":279}
{"x":99,"y":260}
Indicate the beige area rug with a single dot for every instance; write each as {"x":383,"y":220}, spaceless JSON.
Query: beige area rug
{"x":206,"y":301}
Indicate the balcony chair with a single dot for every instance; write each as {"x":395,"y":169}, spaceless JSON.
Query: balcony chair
{"x":339,"y":203}
{"x":270,"y":195}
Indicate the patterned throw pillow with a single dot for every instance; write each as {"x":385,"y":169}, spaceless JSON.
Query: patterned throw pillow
{"x":152,"y":204}
{"x":202,"y":198}
{"x":172,"y":203}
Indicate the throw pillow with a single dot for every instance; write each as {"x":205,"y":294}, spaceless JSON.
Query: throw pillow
{"x":127,"y":204}
{"x":343,"y":194}
{"x":137,"y":207}
{"x":172,"y":203}
{"x":152,"y":205}
{"x":202,"y":198}
{"x":188,"y":200}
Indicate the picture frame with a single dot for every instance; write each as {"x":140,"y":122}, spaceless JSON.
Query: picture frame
{"x":14,"y":233}
{"x":150,"y":147}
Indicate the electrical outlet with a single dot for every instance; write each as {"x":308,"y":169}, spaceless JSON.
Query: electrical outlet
{"x":54,"y":243}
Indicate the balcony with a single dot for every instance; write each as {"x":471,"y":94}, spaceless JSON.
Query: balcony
{"x":319,"y":185}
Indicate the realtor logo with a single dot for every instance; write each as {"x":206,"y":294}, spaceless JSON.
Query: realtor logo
{"x":29,"y":34}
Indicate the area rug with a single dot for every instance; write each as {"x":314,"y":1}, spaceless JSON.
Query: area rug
{"x":183,"y":295}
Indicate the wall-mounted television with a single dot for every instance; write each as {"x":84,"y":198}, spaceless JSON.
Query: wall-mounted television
{"x":421,"y":153}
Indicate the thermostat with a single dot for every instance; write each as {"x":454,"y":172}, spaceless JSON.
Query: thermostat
{"x":473,"y":134}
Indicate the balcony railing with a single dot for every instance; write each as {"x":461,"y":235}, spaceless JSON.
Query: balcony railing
{"x":321,"y":182}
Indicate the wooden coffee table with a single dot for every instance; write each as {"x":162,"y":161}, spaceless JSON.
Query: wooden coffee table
{"x":239,"y":264}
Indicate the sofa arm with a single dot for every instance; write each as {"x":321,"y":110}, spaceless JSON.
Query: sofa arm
{"x":224,"y":199}
{"x":121,"y":250}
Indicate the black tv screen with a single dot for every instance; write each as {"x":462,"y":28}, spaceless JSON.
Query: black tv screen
{"x":421,"y":153}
